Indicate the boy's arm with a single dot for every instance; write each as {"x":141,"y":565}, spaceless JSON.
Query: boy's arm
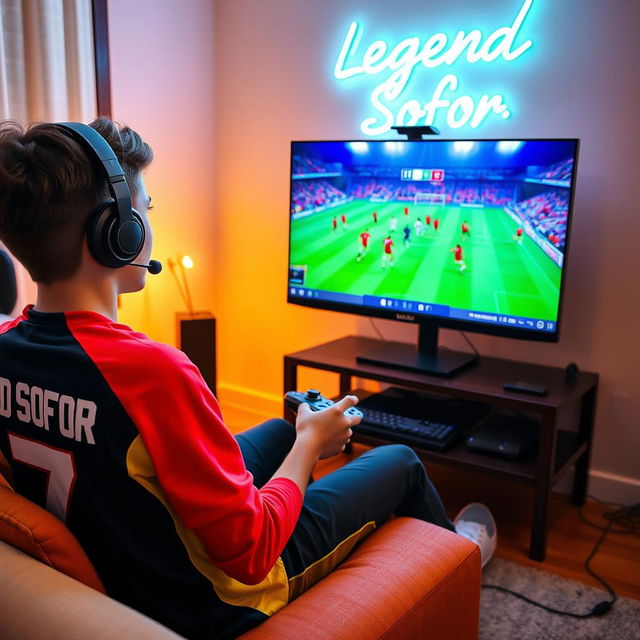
{"x":320,"y":434}
{"x":201,"y":470}
{"x":197,"y":461}
{"x":243,"y":529}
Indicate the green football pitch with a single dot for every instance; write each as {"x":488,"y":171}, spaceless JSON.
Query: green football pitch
{"x":501,"y":276}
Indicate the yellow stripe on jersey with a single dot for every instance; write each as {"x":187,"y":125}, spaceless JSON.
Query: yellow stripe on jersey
{"x":268,"y":596}
{"x":320,"y":568}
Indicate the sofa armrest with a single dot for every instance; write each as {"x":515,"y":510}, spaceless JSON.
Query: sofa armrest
{"x":408,"y":580}
{"x":40,"y":603}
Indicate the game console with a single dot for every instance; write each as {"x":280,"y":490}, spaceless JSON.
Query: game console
{"x":505,"y":435}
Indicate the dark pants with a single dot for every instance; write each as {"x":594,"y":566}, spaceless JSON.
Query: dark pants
{"x":341,"y":508}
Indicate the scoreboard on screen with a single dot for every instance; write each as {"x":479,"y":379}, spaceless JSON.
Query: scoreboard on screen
{"x":426,"y":175}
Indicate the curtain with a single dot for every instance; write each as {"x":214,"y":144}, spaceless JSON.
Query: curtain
{"x":47,"y":71}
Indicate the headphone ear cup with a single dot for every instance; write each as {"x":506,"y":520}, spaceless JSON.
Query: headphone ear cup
{"x":131,"y":236}
{"x":110,"y":243}
{"x":98,"y":231}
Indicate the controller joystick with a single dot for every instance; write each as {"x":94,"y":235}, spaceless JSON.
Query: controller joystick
{"x":316,"y":402}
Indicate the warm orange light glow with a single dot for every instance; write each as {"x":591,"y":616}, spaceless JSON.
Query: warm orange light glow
{"x":183,"y":287}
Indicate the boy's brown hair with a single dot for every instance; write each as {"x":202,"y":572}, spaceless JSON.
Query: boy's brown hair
{"x":48,"y":188}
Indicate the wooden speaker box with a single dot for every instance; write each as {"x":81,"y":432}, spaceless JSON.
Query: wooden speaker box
{"x":197,"y":339}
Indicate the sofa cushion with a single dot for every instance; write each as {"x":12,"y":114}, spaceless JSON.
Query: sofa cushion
{"x":409,"y":579}
{"x":32,"y":529}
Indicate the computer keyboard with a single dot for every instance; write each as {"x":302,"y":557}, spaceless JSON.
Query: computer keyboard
{"x":418,"y":419}
{"x":433,"y":435}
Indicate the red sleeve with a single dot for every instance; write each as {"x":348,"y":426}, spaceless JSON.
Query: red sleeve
{"x":10,"y":324}
{"x":197,"y":460}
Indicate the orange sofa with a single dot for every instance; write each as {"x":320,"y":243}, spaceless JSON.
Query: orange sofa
{"x":408,"y":579}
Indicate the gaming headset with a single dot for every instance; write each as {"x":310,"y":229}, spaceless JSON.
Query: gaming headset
{"x":115,"y":231}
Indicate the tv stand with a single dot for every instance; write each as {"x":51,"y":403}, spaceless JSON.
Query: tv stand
{"x":565,"y":415}
{"x":427,"y":358}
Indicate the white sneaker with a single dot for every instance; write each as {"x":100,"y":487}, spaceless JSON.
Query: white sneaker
{"x":476,"y":523}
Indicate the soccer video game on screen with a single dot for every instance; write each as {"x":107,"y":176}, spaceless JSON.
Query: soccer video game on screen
{"x":473,"y":225}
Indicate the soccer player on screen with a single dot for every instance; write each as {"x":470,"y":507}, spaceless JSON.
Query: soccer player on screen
{"x":334,"y":223}
{"x":406,"y":211}
{"x":375,"y":217}
{"x":387,"y":252}
{"x":417,"y":225}
{"x":363,"y":247}
{"x":343,"y":217}
{"x":517,"y":236}
{"x":436,"y":224}
{"x":466,"y":233}
{"x":427,"y":220}
{"x":393,"y":223}
{"x":458,"y":257}
{"x":407,"y":233}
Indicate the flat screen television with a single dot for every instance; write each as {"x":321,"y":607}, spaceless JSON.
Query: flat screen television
{"x":461,"y":234}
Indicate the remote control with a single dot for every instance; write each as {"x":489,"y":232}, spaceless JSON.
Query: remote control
{"x":316,"y":402}
{"x":526,"y":387}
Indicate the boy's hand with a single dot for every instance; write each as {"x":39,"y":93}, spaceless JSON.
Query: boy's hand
{"x":328,"y":430}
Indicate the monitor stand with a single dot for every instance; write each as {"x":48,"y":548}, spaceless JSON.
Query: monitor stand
{"x":426,"y":358}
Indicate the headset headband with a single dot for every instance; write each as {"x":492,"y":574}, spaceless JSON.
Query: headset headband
{"x":104,"y":157}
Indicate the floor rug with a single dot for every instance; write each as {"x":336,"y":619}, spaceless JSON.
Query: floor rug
{"x":504,"y":617}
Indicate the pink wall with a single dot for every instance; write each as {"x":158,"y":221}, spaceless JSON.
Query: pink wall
{"x":274,"y":60}
{"x":270,"y":63}
{"x":162,"y":58}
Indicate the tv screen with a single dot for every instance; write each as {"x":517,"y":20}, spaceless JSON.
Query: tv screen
{"x":469,"y":234}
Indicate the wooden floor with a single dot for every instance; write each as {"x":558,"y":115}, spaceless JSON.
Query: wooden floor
{"x":570,"y":539}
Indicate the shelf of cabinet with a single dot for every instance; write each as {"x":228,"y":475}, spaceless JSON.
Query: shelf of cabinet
{"x":558,"y":448}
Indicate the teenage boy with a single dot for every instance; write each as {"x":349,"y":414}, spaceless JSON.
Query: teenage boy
{"x":120,"y":437}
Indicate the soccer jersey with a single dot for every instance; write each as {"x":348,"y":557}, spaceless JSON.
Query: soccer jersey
{"x":364,"y":238}
{"x":457,"y":253}
{"x":388,"y":243}
{"x":120,"y":437}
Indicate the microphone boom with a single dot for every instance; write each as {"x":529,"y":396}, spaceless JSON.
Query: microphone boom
{"x":154,"y":267}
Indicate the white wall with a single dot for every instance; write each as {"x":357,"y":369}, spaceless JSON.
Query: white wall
{"x":274,"y":83}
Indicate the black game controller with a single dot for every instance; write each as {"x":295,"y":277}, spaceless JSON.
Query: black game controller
{"x":316,"y":402}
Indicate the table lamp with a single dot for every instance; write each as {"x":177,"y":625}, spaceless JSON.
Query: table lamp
{"x":195,"y":330}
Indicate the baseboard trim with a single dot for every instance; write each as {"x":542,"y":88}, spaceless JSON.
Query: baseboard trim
{"x":610,"y":487}
{"x":248,"y":399}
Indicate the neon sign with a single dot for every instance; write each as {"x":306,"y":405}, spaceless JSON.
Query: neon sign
{"x":399,"y":61}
